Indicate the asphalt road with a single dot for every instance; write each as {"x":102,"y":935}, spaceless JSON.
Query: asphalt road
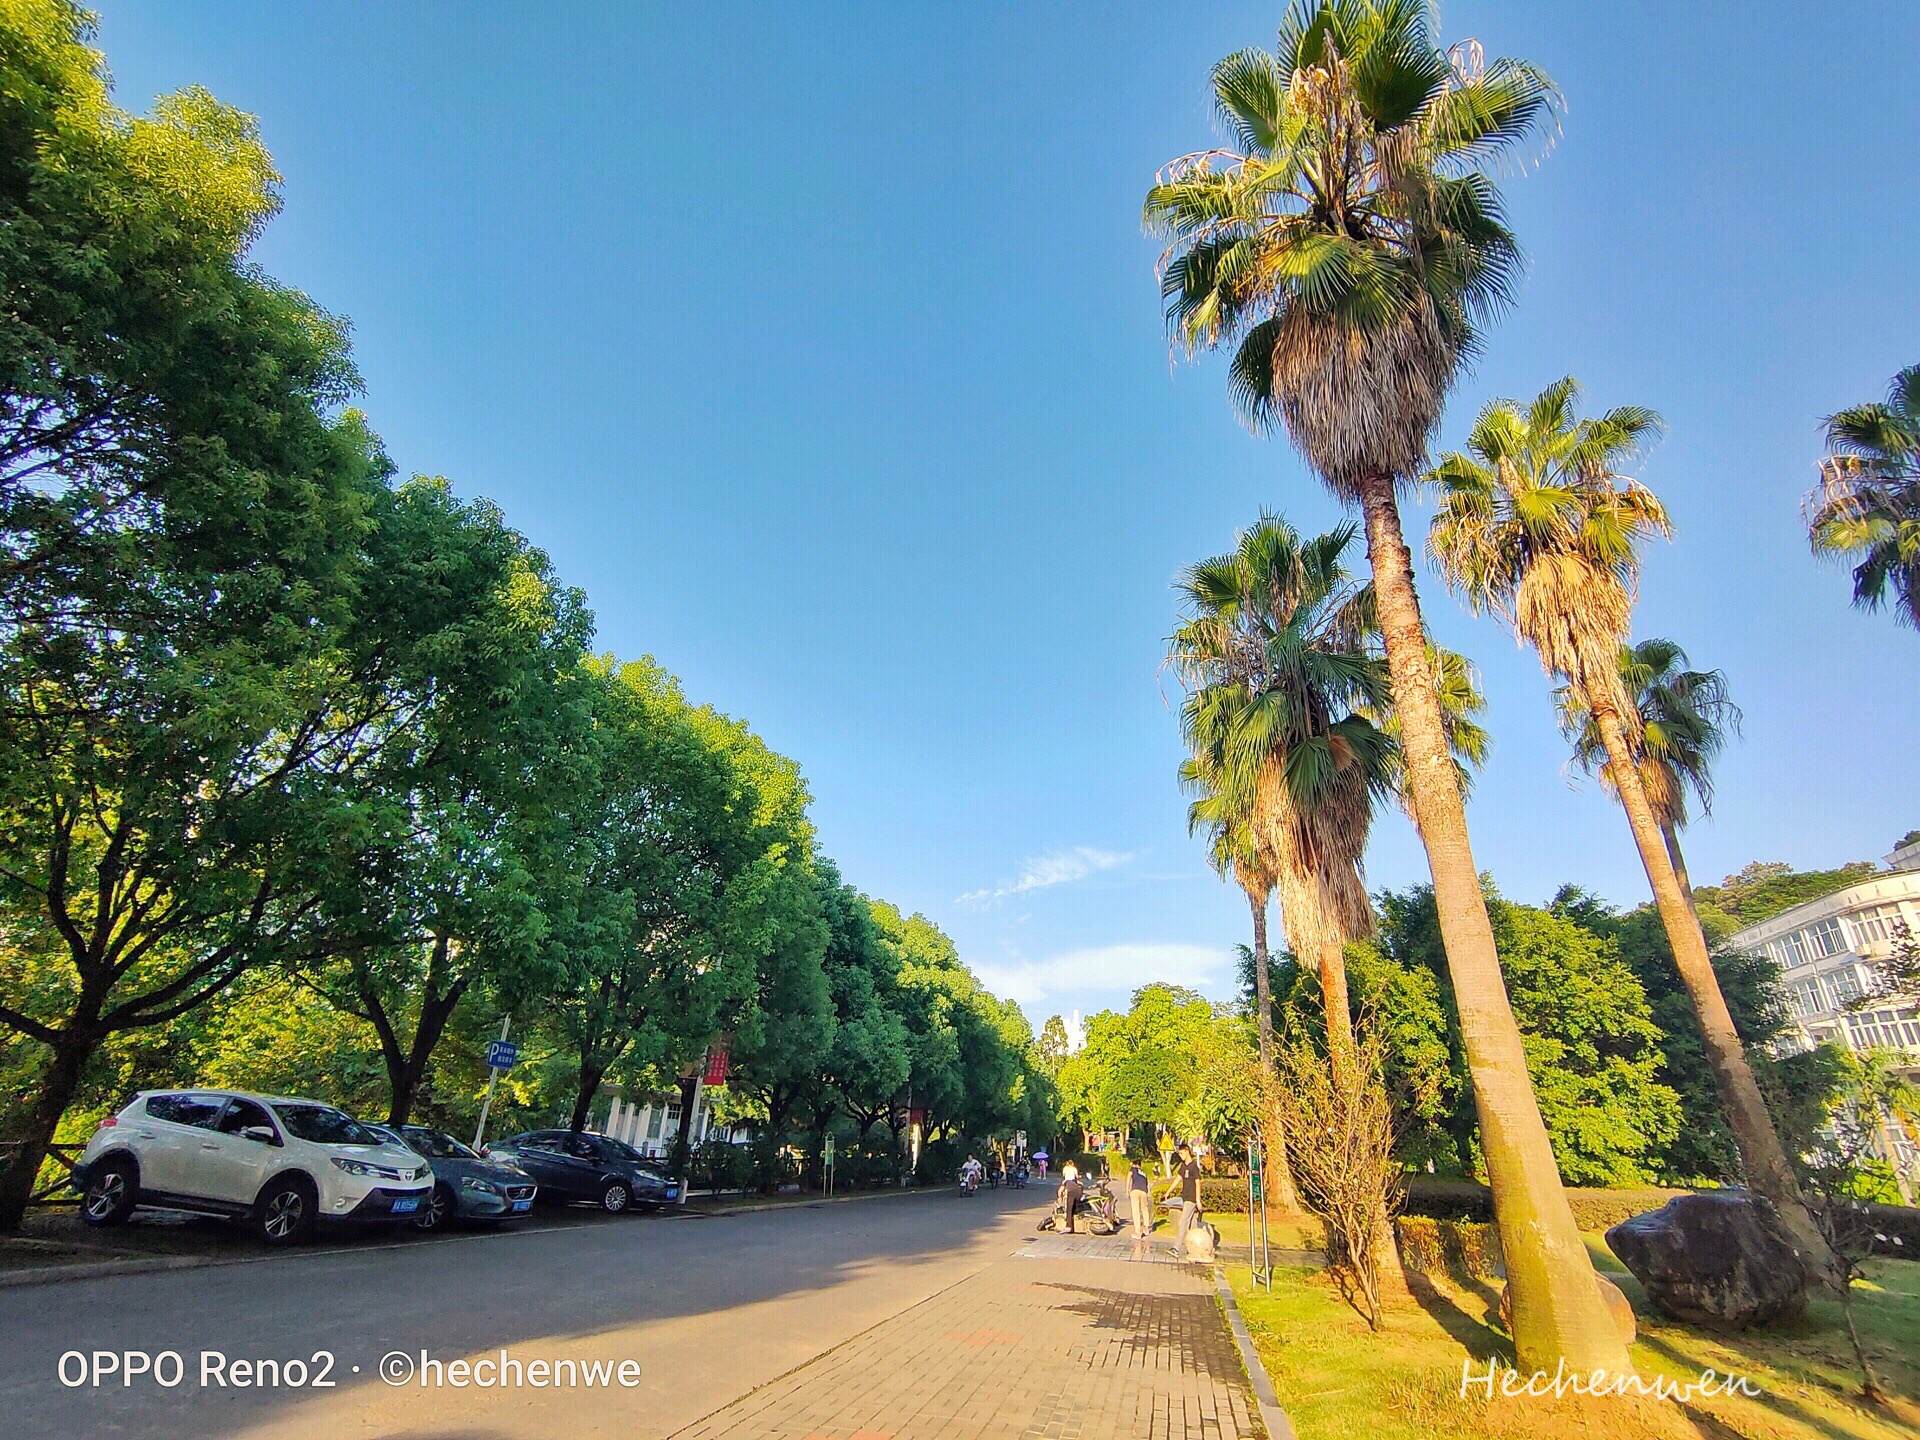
{"x":705,"y":1309}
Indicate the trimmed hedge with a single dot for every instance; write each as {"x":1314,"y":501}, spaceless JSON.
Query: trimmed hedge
{"x":1468,"y":1200}
{"x":1463,"y":1249}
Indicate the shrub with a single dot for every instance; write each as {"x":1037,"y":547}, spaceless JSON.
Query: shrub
{"x":1463,"y":1249}
{"x":1593,"y":1209}
{"x":717,"y":1165}
{"x":866,"y":1164}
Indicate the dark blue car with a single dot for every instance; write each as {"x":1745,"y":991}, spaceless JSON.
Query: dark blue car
{"x":572,"y":1167}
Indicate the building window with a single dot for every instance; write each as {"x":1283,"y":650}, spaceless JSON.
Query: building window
{"x":1824,"y":938}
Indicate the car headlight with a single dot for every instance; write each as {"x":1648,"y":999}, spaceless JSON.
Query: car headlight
{"x":362,"y":1167}
{"x":472,"y":1182}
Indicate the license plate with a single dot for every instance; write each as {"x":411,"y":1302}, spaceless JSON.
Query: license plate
{"x":520,"y":1205}
{"x":407,"y":1206}
{"x":673,"y":1192}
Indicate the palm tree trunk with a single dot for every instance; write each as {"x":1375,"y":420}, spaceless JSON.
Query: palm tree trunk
{"x":1280,"y":1173}
{"x":1262,"y":981}
{"x":1557,"y":1310}
{"x":1333,"y":999}
{"x":1761,"y":1155}
{"x":1672,"y":838}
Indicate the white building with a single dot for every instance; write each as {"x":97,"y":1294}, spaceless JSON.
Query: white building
{"x":651,"y":1122}
{"x":1829,"y":951}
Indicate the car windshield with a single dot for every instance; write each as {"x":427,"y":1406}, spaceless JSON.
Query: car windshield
{"x":324,"y":1125}
{"x":619,"y":1150}
{"x":435,"y":1145}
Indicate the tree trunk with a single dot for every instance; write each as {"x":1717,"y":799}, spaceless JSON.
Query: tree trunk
{"x":434,"y":1014}
{"x":590,"y":1077}
{"x":1761,"y":1154}
{"x":1557,"y":1310}
{"x":55,"y":1091}
{"x":1674,"y":857}
{"x":1262,"y":981}
{"x":1333,"y":999}
{"x":1280,"y":1174}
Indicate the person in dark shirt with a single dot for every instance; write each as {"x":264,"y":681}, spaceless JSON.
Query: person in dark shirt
{"x":1187,"y":1176}
{"x":1140,"y":1199}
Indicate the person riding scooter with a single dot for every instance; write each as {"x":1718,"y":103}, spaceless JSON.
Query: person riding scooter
{"x":970,"y":1173}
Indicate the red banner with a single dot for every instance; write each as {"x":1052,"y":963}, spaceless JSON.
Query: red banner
{"x":716,"y":1066}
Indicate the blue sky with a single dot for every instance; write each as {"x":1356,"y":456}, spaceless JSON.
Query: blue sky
{"x":821,"y":346}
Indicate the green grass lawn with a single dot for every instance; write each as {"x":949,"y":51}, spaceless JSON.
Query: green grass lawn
{"x":1337,"y":1379}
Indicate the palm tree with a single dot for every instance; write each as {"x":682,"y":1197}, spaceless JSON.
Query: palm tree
{"x":1346,"y":245}
{"x":1684,"y":718}
{"x":1537,"y":524}
{"x":1274,"y":654}
{"x":1867,"y":506}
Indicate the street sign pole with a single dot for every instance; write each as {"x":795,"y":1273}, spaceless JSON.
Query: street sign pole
{"x":493,"y":1079}
{"x":1262,"y":1266}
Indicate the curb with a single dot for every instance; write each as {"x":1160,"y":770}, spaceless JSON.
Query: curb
{"x":105,"y":1269}
{"x":1279,"y":1427}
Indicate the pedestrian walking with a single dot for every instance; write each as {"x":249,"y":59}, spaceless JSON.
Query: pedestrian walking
{"x":1140,"y":1197}
{"x":1188,"y":1179}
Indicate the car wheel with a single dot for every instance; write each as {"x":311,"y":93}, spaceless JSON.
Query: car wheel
{"x":111,"y":1190}
{"x":616,"y":1197}
{"x":436,"y":1211}
{"x":284,"y":1213}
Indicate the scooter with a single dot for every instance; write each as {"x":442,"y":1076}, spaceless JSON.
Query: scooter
{"x":969,"y":1182}
{"x":1096,"y":1205}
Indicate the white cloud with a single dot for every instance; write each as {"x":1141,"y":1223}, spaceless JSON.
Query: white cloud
{"x":1055,"y":867}
{"x":1116,"y":969}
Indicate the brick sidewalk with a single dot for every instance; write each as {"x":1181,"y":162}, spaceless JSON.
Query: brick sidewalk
{"x":1067,"y":1348}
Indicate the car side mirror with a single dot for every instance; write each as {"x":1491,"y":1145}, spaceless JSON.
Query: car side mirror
{"x":262,"y":1133}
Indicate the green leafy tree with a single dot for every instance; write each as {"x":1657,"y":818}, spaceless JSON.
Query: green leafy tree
{"x":1765,"y":888}
{"x":1867,"y":506}
{"x":1346,"y":243}
{"x":183,"y":500}
{"x":1053,"y":1044}
{"x":659,"y":849}
{"x":1592,"y":1047}
{"x":870,"y":1058}
{"x":489,"y":736}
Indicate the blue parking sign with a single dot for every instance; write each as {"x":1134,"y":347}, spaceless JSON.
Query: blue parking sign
{"x":501,"y":1054}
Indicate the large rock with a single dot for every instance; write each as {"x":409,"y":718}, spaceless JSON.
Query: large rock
{"x":1721,"y":1258}
{"x":1618,"y":1306}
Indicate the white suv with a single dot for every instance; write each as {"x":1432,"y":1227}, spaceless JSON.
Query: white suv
{"x":282,"y":1164}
